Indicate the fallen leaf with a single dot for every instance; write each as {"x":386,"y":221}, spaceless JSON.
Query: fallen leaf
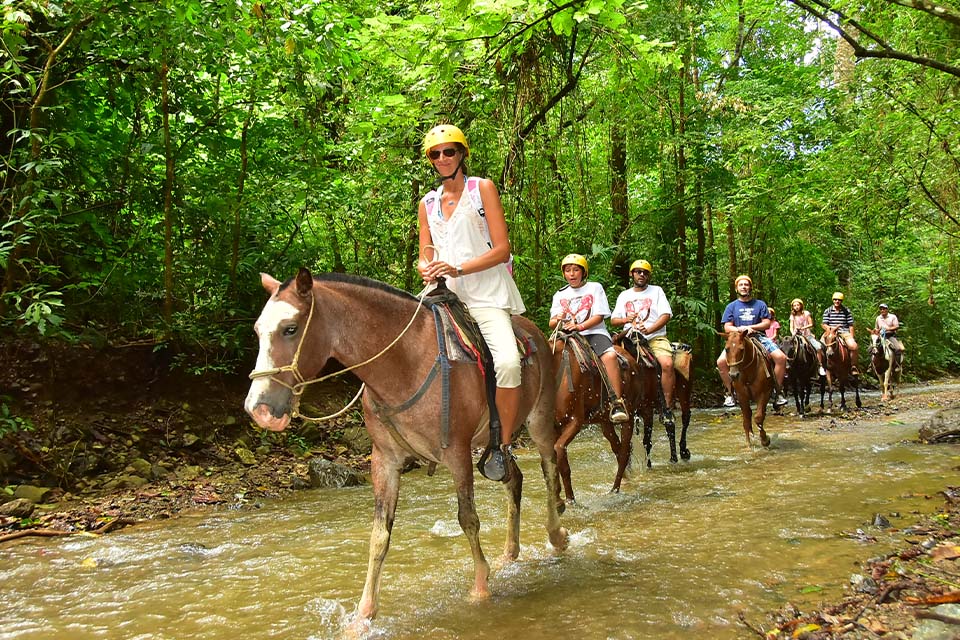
{"x":945,"y":552}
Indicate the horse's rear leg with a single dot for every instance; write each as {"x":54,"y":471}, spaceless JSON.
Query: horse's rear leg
{"x":685,"y":418}
{"x":648,"y":436}
{"x":461,"y":468}
{"x":514,"y":489}
{"x":385,"y":476}
{"x":758,"y":417}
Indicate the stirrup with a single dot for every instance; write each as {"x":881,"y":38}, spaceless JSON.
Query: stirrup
{"x":618,"y":413}
{"x":493,"y":463}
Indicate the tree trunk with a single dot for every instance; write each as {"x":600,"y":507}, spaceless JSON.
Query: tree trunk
{"x":167,"y":199}
{"x":618,"y":198}
{"x":238,"y":204}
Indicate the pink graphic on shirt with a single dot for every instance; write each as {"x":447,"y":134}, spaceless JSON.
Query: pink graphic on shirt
{"x":640,"y":307}
{"x":577,"y":308}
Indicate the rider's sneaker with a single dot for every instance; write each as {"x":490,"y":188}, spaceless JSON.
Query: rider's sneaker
{"x":779,"y":400}
{"x":618,"y":412}
{"x":728,"y":401}
{"x":821,"y":371}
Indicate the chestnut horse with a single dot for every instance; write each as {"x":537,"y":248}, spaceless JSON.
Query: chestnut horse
{"x":886,"y":363}
{"x":752,"y":377}
{"x":376,"y":331}
{"x":839,"y":368}
{"x":581,"y":399}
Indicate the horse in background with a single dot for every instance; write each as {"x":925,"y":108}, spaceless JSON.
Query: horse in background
{"x":802,"y":366}
{"x":410,"y":415}
{"x":581,"y":398}
{"x":635,"y":345}
{"x":886,"y":362}
{"x":839,"y":368}
{"x":752,"y":376}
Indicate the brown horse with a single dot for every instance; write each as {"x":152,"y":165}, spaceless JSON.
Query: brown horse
{"x":839,"y":368}
{"x":357,"y":321}
{"x":887,"y":364}
{"x":682,"y":389}
{"x":581,"y":399}
{"x":752,"y":377}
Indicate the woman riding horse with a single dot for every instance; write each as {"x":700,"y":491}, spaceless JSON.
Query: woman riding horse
{"x":415,"y":406}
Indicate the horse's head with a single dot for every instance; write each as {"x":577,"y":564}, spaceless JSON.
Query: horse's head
{"x":830,"y":340}
{"x":285,"y":360}
{"x":734,"y":348}
{"x":875,"y":341}
{"x":791,"y":346}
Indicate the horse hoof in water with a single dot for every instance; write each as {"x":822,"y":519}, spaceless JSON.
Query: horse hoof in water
{"x":685,"y":454}
{"x":764,"y":438}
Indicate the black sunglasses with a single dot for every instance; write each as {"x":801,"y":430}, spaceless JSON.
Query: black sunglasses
{"x":449,"y":152}
{"x":837,"y":300}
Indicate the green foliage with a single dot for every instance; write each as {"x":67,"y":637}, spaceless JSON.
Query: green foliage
{"x":10,"y":423}
{"x":294,"y":134}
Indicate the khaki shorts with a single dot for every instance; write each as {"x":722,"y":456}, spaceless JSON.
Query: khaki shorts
{"x":660,"y":346}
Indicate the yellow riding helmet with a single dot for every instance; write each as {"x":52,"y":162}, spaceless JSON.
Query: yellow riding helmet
{"x":742,"y":277}
{"x":641,"y":264}
{"x":577,"y":259}
{"x":795,"y":301}
{"x":444,"y":133}
{"x":837,"y":295}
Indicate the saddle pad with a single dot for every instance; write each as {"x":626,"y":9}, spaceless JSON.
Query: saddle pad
{"x":464,"y":340}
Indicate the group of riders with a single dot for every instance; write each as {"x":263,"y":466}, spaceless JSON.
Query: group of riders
{"x":749,"y":314}
{"x":465,"y":241}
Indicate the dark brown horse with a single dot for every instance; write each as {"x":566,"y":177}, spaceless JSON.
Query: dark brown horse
{"x":752,"y":377}
{"x":682,"y":390}
{"x":581,"y":399}
{"x":802,"y":367}
{"x":839,"y":368}
{"x":887,"y":364}
{"x":357,"y":321}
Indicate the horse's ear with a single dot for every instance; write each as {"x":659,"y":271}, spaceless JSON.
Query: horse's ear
{"x":304,"y":282}
{"x":269,"y":283}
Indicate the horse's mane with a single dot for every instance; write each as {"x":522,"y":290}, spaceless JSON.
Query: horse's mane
{"x":360,"y":281}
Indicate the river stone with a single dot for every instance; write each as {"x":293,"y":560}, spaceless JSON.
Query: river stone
{"x":357,"y":439}
{"x":18,"y":508}
{"x":246,"y":456}
{"x":936,"y":630}
{"x":140,"y":467}
{"x":326,"y":474}
{"x":36,"y":495}
{"x":943,"y":426}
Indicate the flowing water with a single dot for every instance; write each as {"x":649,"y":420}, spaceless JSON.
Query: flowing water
{"x":679,"y":553}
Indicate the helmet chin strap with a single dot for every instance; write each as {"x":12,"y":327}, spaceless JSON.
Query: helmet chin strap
{"x":443,"y":178}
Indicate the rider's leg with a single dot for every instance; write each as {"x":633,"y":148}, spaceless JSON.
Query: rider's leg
{"x":497,"y":330}
{"x":779,"y":367}
{"x":724,"y":370}
{"x":854,"y":353}
{"x":612,"y":367}
{"x":508,"y":406}
{"x":667,"y":379}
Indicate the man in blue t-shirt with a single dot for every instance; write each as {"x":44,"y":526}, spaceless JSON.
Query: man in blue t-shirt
{"x":749,"y":314}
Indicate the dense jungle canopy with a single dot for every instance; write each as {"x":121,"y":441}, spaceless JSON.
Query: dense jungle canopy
{"x":157,"y":155}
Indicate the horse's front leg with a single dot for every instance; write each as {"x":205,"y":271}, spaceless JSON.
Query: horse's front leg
{"x":647,"y":417}
{"x":760,"y":415}
{"x":621,"y":450}
{"x":746,"y":414}
{"x":569,"y":427}
{"x":385,"y":476}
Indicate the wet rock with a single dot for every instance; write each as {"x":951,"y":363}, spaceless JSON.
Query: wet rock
{"x":357,"y":439}
{"x":17,"y":508}
{"x":326,"y":474}
{"x":140,"y":467}
{"x":880,"y":521}
{"x":36,"y":495}
{"x":124,"y":482}
{"x":943,"y":426}
{"x":863,"y":584}
{"x":246,"y":456}
{"x":188,"y":472}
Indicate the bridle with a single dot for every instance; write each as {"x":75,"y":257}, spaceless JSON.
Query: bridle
{"x":753,"y":354}
{"x":302,"y":382}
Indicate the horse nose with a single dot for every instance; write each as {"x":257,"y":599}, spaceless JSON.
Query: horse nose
{"x":734,"y":374}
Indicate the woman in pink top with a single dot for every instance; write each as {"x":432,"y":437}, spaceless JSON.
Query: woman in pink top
{"x":801,"y":322}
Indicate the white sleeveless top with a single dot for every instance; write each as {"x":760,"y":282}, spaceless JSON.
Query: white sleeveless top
{"x":462,"y":237}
